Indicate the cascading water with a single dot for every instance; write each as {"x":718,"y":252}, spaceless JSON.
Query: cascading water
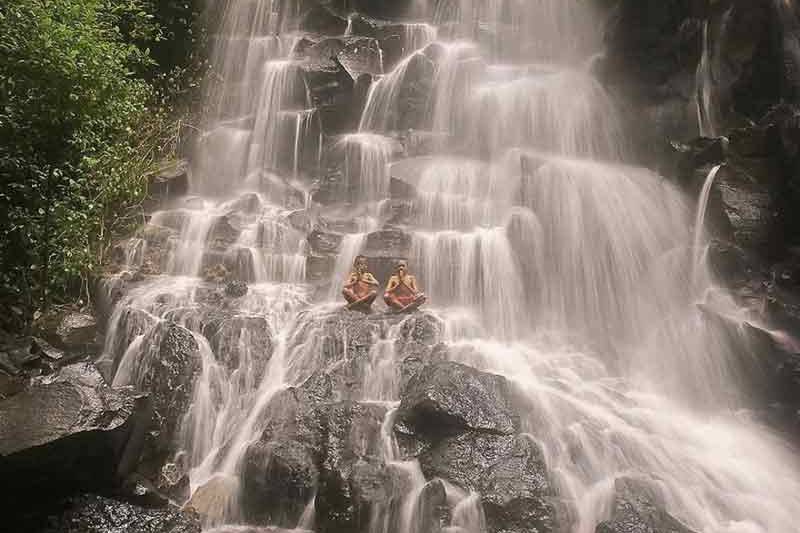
{"x":549,"y":260}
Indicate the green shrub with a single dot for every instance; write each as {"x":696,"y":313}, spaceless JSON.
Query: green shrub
{"x":81,"y":126}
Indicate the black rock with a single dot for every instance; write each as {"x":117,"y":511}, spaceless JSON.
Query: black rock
{"x":167,"y":371}
{"x":322,"y":242}
{"x":449,"y":396}
{"x":96,"y":514}
{"x":639,"y":509}
{"x":236,"y":289}
{"x":748,"y":190}
{"x":353,"y":477}
{"x":280,"y":477}
{"x":321,"y":19}
{"x":71,"y":432}
{"x":508,"y":471}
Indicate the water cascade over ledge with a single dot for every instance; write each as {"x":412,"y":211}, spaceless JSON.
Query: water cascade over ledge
{"x":547,"y":258}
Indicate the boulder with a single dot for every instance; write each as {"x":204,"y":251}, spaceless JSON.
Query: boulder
{"x":280,"y":478}
{"x":451,"y":397}
{"x":639,"y":509}
{"x":71,"y":432}
{"x":353,"y":478}
{"x":330,"y":88}
{"x":96,"y":514}
{"x":508,"y":471}
{"x":77,"y":330}
{"x":241,"y":337}
{"x":167,"y":370}
{"x":236,"y":289}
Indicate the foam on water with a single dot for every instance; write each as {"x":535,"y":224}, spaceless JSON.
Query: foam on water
{"x":550,"y":262}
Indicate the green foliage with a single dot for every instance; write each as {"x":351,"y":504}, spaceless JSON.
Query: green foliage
{"x":81,"y":125}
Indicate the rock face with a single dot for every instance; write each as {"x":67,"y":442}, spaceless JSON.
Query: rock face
{"x":638,"y":509}
{"x":87,"y":437}
{"x":461,"y":425}
{"x":95,"y":514}
{"x":167,"y":371}
{"x":453,"y":396}
{"x":321,"y":440}
{"x":507,"y":470}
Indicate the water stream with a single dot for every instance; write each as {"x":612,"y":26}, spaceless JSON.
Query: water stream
{"x":550,"y":260}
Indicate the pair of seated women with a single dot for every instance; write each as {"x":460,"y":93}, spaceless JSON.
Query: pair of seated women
{"x":401,"y":294}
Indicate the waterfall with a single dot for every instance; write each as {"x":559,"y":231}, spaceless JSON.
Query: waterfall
{"x":547,"y":258}
{"x":700,"y":218}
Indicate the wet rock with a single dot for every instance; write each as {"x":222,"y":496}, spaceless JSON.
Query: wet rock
{"x":301,"y":220}
{"x":388,"y":242}
{"x":508,"y":471}
{"x":215,"y":500}
{"x":449,"y":396}
{"x":639,"y":508}
{"x":389,"y":35}
{"x":434,"y":513}
{"x":402,"y":190}
{"x":77,"y":330}
{"x":747,"y":189}
{"x":216,"y":274}
{"x":284,"y":474}
{"x":361,"y":55}
{"x":171,"y":181}
{"x":96,"y":514}
{"x":167,"y":370}
{"x":322,"y":242}
{"x":321,"y":19}
{"x":653,"y":49}
{"x":383,"y":9}
{"x":728,"y":262}
{"x":319,"y":268}
{"x":173,"y":481}
{"x":330,"y":88}
{"x":241,"y":341}
{"x":223,"y":234}
{"x":754,"y":141}
{"x":139,"y":491}
{"x":353,"y":477}
{"x":236,"y":289}
{"x":248,"y":203}
{"x":695,"y":154}
{"x":92,"y":436}
{"x":42,"y":348}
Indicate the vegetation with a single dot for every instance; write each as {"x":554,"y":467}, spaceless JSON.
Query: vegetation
{"x":91,"y":95}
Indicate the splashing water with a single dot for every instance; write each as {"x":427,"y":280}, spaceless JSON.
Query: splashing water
{"x":548,"y":259}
